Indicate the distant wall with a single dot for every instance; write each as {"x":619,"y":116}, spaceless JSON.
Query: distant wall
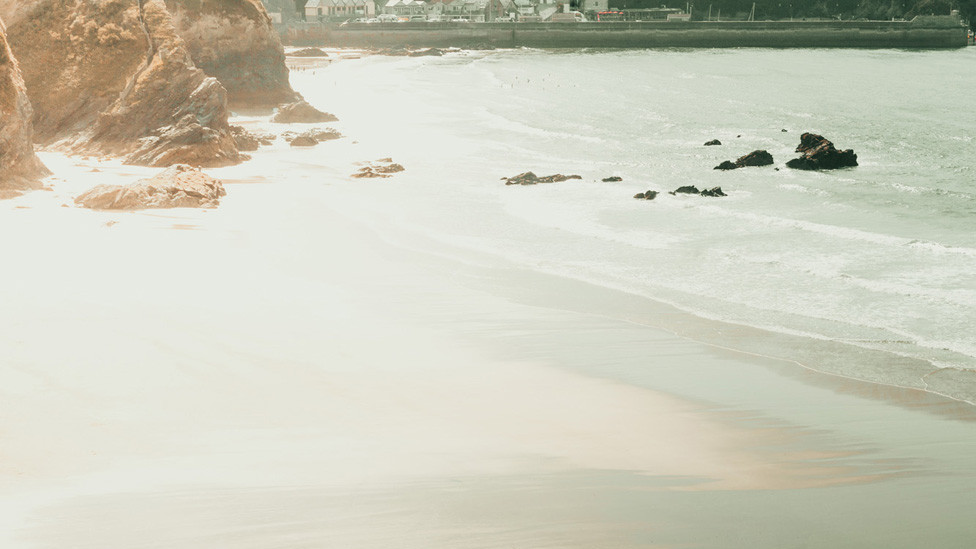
{"x":929,"y":32}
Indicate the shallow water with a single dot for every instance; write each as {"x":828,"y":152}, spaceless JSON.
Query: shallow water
{"x":880,"y":256}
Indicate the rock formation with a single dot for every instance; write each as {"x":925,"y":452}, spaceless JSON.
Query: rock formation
{"x":755,"y":158}
{"x":235,"y":42}
{"x":19,"y":168}
{"x":713,"y":142}
{"x":612,"y":179}
{"x":179,"y":186}
{"x":646,"y":195}
{"x":300,"y":112}
{"x":383,"y":167}
{"x":820,"y":154}
{"x":529,"y":178}
{"x":113,"y":77}
{"x":691,"y":189}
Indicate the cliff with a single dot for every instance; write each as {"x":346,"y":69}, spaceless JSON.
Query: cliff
{"x":235,"y":42}
{"x":114,"y":77}
{"x":19,"y":168}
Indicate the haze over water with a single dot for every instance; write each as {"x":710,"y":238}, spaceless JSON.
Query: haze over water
{"x":881,"y":256}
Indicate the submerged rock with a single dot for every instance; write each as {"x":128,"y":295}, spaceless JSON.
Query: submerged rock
{"x":179,"y":186}
{"x":612,"y":179}
{"x":820,"y":154}
{"x":691,"y":189}
{"x":19,"y":167}
{"x":714,"y":191}
{"x":301,"y":112}
{"x":646,"y":195}
{"x":712,"y":143}
{"x":529,"y":178}
{"x":686,"y":189}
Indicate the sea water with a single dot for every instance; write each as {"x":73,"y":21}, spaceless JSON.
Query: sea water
{"x":881,"y":256}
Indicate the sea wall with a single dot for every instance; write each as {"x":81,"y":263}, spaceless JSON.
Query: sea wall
{"x":929,"y":32}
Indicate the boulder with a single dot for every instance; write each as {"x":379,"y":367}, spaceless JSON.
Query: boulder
{"x":245,"y":140}
{"x":235,"y":42}
{"x":308,"y":52}
{"x":19,"y":167}
{"x":714,"y":191}
{"x":686,"y":189}
{"x":646,"y":195}
{"x":304,"y":141}
{"x":529,"y":178}
{"x":820,"y":154}
{"x":755,"y":158}
{"x":612,"y":179}
{"x":383,"y":167}
{"x":301,"y":112}
{"x":103,"y":75}
{"x":179,"y":186}
{"x":712,"y":143}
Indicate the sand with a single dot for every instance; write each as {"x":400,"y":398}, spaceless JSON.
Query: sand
{"x":281,"y":373}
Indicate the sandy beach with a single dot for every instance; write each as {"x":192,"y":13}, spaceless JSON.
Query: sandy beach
{"x":308,"y":365}
{"x":274,"y":373}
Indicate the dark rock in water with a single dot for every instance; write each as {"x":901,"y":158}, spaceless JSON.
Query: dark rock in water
{"x":529,"y":178}
{"x":714,"y":191}
{"x":783,"y":130}
{"x":304,"y":141}
{"x":727,"y":165}
{"x":755,"y":158}
{"x":301,"y":112}
{"x":687,"y":189}
{"x":308,"y":52}
{"x":820,"y":154}
{"x":647,"y":195}
{"x":179,"y":186}
{"x":712,"y":142}
{"x":612,"y":179}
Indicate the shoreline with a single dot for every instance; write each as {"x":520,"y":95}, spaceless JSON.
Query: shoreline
{"x":930,"y":32}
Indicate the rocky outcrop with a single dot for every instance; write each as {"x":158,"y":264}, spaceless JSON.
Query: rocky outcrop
{"x":529,"y":178}
{"x":113,"y":77}
{"x":646,"y":195}
{"x":235,"y":42}
{"x":691,"y":189}
{"x":19,"y":167}
{"x":384,"y":167}
{"x":308,"y":52}
{"x":300,"y":112}
{"x":179,"y":186}
{"x":820,"y":154}
{"x":755,"y":158}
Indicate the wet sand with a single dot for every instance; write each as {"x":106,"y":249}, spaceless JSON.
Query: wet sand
{"x":289,"y":375}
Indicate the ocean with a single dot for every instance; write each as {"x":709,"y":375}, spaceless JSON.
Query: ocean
{"x":878,"y":258}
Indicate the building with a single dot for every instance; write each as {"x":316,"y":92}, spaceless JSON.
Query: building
{"x":406,"y":8}
{"x":329,"y":10}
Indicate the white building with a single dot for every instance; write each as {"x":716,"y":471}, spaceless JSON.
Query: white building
{"x":321,"y":10}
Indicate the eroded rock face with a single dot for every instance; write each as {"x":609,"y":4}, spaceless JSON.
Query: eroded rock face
{"x":113,"y":77}
{"x":179,"y":186}
{"x":234,"y":41}
{"x":19,"y":167}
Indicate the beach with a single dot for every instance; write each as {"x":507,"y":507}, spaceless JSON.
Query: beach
{"x":435,"y":360}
